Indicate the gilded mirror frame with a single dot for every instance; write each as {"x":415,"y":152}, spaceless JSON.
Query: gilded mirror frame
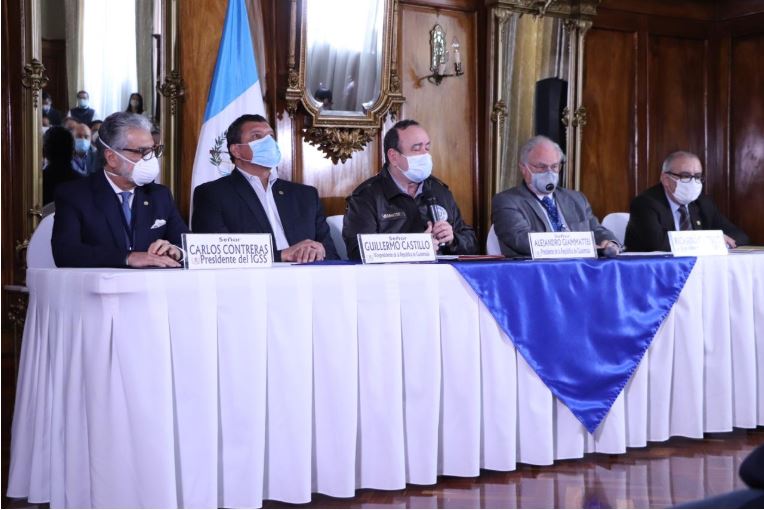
{"x":577,"y":16}
{"x":34,"y":79}
{"x":338,"y":136}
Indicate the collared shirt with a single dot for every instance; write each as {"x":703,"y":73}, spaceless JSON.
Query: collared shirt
{"x":403,"y":188}
{"x":546,"y":215}
{"x":269,"y":204}
{"x":118,"y":190}
{"x":674,"y":210}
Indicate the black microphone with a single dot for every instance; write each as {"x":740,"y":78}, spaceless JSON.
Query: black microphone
{"x":432,"y":210}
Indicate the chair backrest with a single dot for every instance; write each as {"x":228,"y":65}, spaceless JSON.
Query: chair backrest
{"x":39,"y":251}
{"x":335,"y":229}
{"x":492,"y":246}
{"x":616,"y":223}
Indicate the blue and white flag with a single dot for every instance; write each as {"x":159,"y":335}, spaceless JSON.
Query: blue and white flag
{"x":235,"y":90}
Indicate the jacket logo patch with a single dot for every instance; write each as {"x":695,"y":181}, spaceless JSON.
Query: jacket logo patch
{"x":391,"y":215}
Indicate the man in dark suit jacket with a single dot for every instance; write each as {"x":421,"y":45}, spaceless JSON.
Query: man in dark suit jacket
{"x":117,"y":217}
{"x":675,"y":203}
{"x":252,"y":199}
{"x":538,"y":205}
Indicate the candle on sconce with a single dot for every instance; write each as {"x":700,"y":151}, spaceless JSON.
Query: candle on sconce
{"x":457,"y":54}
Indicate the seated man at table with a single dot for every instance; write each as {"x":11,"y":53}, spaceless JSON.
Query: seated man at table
{"x":396,"y":199}
{"x":117,"y":216}
{"x":539,"y":205}
{"x":252,"y":199}
{"x":676,"y":203}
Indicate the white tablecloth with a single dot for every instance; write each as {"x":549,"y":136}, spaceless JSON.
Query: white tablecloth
{"x":165,"y":388}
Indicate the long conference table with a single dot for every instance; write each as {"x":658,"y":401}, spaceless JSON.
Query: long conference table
{"x":222,"y":388}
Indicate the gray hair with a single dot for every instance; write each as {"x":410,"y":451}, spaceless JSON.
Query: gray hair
{"x":113,"y":132}
{"x":535,"y":142}
{"x":673,"y":157}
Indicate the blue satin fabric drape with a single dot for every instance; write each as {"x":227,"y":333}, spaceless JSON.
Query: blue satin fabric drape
{"x":582,"y":325}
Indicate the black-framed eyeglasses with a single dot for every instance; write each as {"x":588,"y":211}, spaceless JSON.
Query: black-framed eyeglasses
{"x":685,"y":177}
{"x":541,"y":167}
{"x":147,"y":152}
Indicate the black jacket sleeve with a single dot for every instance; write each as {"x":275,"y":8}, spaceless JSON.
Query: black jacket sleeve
{"x":207,"y":215}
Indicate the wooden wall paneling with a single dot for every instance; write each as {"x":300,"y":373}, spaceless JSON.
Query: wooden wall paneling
{"x":684,"y":9}
{"x":608,"y":150}
{"x":747,"y":135}
{"x":54,"y":60}
{"x":449,"y":111}
{"x":677,"y":100}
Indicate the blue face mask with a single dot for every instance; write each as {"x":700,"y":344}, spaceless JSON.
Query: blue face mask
{"x":265,"y":152}
{"x":545,"y":182}
{"x":81,"y":145}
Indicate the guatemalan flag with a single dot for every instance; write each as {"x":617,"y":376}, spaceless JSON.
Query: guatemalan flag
{"x":235,"y":90}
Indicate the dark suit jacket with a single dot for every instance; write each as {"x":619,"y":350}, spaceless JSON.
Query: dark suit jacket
{"x":517,"y":212}
{"x":230,"y":205}
{"x":651,"y":220}
{"x":90,"y":231}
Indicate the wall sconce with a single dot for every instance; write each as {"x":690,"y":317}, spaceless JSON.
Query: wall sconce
{"x":439,"y":56}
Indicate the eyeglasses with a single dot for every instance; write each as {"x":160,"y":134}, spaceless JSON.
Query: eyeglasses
{"x":541,"y":167}
{"x":147,"y":152}
{"x":685,"y":177}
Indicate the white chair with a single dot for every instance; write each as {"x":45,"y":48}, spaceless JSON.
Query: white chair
{"x":616,"y":223}
{"x":39,"y":251}
{"x":492,"y":246}
{"x":335,"y":229}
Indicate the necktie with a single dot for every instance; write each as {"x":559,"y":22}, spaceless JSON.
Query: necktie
{"x":126,"y":207}
{"x":684,"y":218}
{"x":553,"y":213}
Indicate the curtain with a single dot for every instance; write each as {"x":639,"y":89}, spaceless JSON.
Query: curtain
{"x":73,"y":10}
{"x":108,"y":54}
{"x":144,"y":43}
{"x":345,"y":56}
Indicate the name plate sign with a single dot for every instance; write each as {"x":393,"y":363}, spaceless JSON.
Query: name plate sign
{"x":691,"y":243}
{"x":227,"y":251}
{"x":562,"y":245}
{"x":384,"y":248}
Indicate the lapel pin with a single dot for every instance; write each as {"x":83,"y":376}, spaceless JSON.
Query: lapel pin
{"x":146,"y":202}
{"x":697,"y":222}
{"x":281,"y":192}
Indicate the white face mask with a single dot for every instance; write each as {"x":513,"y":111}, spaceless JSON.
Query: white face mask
{"x":143,"y":172}
{"x":686,"y":192}
{"x":420,"y":167}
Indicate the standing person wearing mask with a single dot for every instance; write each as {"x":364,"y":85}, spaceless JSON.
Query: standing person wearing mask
{"x":252,"y":199}
{"x":676,"y":203}
{"x":54,"y":116}
{"x":399,"y":197}
{"x":539,"y":205}
{"x":82,"y":112}
{"x":117,"y":217}
{"x":135,"y":104}
{"x":84,"y":160}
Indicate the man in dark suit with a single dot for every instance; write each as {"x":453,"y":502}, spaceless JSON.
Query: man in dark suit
{"x":675,"y":203}
{"x":252,"y":199}
{"x":538,"y":205}
{"x":82,"y":112}
{"x":117,"y":217}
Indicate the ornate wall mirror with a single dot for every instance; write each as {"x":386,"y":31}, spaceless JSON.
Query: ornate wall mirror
{"x":110,"y":49}
{"x":534,"y":54}
{"x":345,"y":76}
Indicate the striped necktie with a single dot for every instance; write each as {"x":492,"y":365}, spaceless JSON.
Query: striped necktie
{"x":684,"y":218}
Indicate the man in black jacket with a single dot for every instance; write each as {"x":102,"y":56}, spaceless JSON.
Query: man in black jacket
{"x":675,"y":203}
{"x":396,"y":199}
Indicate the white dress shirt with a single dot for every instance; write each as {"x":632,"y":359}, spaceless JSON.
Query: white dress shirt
{"x":118,"y":190}
{"x":675,"y":211}
{"x":269,"y":204}
{"x":559,"y":211}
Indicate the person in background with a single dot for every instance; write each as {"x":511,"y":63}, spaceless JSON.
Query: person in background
{"x":47,"y":108}
{"x":94,"y":127}
{"x":155,"y":134}
{"x":83,"y":161}
{"x":70,"y":123}
{"x":676,"y":203}
{"x":325,"y":97}
{"x":45,"y":122}
{"x":82,"y":112}
{"x":135,"y":104}
{"x":396,"y":200}
{"x":57,"y":149}
{"x":539,"y":205}
{"x":118,"y":217}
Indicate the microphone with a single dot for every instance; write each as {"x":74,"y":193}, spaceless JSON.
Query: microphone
{"x":432,"y":210}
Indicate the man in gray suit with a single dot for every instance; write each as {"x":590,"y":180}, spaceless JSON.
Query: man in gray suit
{"x":538,"y":205}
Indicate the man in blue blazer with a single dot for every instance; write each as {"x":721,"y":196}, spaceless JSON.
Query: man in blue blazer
{"x":252,"y":199}
{"x":117,"y":217}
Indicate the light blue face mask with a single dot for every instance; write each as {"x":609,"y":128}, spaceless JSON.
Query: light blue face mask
{"x":81,"y":145}
{"x":265,"y":152}
{"x":420,"y":167}
{"x":545,"y":182}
